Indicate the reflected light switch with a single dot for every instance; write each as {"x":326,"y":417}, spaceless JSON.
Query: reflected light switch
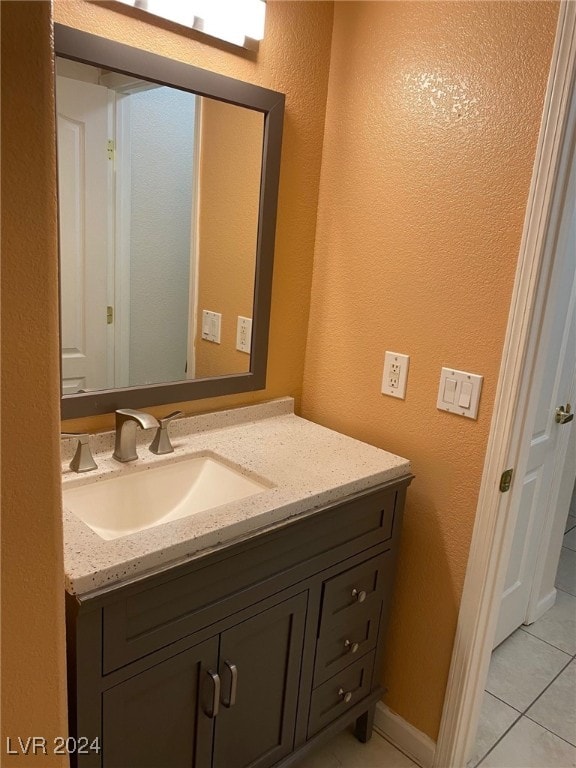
{"x":211,"y":324}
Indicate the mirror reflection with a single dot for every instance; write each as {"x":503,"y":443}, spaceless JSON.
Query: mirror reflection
{"x":158,"y":201}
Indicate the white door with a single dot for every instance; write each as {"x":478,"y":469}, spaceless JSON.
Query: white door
{"x":84,"y":186}
{"x":545,"y":440}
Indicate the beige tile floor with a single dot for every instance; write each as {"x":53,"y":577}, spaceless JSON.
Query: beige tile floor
{"x":528,"y":715}
{"x":345,"y":751}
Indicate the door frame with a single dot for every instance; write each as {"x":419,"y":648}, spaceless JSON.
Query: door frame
{"x":495,"y":517}
{"x":195,"y":238}
{"x":123,"y":213}
{"x":121,"y":87}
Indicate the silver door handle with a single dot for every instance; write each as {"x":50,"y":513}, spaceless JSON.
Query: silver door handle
{"x":215,"y":678}
{"x":563,"y":415}
{"x":232,"y":670}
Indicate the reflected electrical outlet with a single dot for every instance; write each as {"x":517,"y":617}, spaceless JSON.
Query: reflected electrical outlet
{"x":244,"y":334}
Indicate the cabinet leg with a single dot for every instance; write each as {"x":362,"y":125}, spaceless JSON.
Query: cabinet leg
{"x":364,"y":725}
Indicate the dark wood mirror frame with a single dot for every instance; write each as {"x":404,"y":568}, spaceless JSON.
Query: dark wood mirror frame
{"x":89,"y":49}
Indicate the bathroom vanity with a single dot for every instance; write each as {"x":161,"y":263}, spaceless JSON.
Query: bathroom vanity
{"x":244,"y":635}
{"x":226,"y":603}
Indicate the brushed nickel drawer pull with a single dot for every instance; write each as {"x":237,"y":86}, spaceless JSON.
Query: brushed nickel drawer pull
{"x":359,"y":596}
{"x":351,"y":647}
{"x":346,"y":696}
{"x":215,"y":678}
{"x":232,"y":670}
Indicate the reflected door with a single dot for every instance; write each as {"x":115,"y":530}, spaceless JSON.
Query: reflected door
{"x":85,"y":174}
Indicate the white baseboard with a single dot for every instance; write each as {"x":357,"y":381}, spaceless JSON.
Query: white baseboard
{"x":543,"y":605}
{"x":415,"y":744}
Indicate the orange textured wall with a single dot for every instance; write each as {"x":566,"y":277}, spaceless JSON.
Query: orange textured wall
{"x":294,"y":59}
{"x":229,"y":194}
{"x":431,"y":126}
{"x":432,"y":120}
{"x":33,"y":652}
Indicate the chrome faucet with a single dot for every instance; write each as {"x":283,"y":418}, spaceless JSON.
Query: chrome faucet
{"x":127,"y":420}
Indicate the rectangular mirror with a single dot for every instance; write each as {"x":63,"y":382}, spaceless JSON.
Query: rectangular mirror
{"x":168,"y":180}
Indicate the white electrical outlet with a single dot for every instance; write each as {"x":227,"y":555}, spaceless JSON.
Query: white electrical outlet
{"x":244,"y":334}
{"x":395,"y":374}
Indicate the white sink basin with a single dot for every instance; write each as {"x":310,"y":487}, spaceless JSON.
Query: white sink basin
{"x":122,"y":505}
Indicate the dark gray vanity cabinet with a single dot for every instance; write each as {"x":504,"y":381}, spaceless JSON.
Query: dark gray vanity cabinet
{"x":229,"y":696}
{"x":151,"y":719}
{"x":243,"y":658}
{"x":255,"y":727}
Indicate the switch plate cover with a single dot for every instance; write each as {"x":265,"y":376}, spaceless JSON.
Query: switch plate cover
{"x":395,"y":374}
{"x":211,"y":324}
{"x":459,"y":392}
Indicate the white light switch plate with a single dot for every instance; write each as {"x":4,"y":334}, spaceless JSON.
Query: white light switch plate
{"x":459,"y":392}
{"x":395,"y":374}
{"x":211,"y":324}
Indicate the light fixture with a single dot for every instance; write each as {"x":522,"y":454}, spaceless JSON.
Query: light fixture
{"x":240,"y":22}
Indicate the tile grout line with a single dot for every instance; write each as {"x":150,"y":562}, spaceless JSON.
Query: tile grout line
{"x":549,"y":730}
{"x":522,"y":714}
{"x":548,"y":686}
{"x":397,"y":748}
{"x":544,"y":641}
{"x":502,"y":701}
{"x":501,"y":737}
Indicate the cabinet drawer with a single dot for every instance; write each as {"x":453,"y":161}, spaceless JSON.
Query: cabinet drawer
{"x":340,"y":693}
{"x":348,"y":595}
{"x":345,"y":643}
{"x":144,"y":619}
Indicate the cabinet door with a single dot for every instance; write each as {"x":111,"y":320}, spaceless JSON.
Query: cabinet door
{"x":161,"y":717}
{"x":261,"y":659}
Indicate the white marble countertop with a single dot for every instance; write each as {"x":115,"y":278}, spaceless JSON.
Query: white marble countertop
{"x":306,"y":465}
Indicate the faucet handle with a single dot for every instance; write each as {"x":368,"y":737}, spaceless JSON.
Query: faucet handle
{"x":161,"y":443}
{"x":83,"y":460}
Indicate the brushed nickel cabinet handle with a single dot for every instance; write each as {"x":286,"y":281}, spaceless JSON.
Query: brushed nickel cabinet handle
{"x":346,"y":696}
{"x":359,"y":596}
{"x":351,"y":647}
{"x":232,"y":670}
{"x":215,"y":678}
